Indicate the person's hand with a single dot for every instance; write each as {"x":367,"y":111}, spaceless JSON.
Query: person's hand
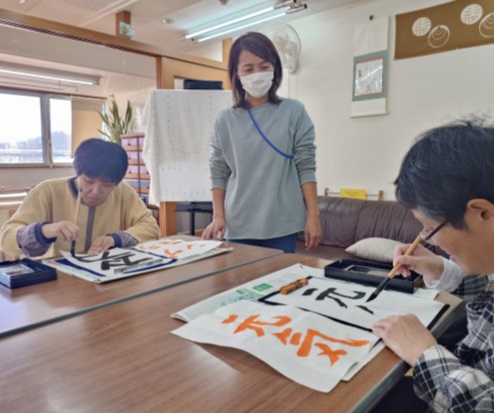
{"x":63,"y":230}
{"x":312,"y":233}
{"x":101,"y":244}
{"x":215,"y":230}
{"x":405,"y":335}
{"x":422,"y":261}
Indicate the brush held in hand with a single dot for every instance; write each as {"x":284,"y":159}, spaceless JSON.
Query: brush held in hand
{"x":76,"y":215}
{"x":382,"y":285}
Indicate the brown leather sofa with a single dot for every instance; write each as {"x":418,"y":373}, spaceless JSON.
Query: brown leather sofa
{"x":345,"y":221}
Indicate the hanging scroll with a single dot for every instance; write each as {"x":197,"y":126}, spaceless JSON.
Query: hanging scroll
{"x":370,"y":51}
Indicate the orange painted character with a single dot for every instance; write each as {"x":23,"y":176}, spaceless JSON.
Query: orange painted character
{"x":287,"y":336}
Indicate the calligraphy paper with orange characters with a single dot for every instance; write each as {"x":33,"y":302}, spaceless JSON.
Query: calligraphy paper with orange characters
{"x":309,"y":349}
{"x":347,"y":302}
{"x":119,"y":263}
{"x":178,"y":249}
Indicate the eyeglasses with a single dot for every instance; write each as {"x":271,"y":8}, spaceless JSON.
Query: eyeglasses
{"x":427,"y":234}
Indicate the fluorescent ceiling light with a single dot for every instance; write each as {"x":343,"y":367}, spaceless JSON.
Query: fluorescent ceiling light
{"x":250,"y":19}
{"x":47,"y":77}
{"x":36,"y":84}
{"x":48,"y":74}
{"x":212,"y":36}
{"x":229,"y":22}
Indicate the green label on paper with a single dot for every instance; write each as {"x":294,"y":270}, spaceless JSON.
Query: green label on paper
{"x":248,"y":295}
{"x":263,"y":287}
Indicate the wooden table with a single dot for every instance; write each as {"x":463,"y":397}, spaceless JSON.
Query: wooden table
{"x":123,"y":358}
{"x":28,"y":307}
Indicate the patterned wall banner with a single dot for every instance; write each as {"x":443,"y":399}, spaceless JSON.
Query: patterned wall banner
{"x":449,"y":26}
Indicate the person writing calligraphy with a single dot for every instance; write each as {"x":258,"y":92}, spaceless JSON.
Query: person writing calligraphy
{"x":262,"y":156}
{"x":446,"y":180}
{"x":110,"y":214}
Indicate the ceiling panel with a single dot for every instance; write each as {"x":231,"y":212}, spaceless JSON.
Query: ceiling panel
{"x":146,"y":19}
{"x":147,"y":15}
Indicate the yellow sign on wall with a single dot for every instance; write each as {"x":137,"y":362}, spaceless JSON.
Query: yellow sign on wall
{"x":353,"y":193}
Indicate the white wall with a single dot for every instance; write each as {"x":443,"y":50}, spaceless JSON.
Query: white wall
{"x":423,"y":92}
{"x":213,"y":52}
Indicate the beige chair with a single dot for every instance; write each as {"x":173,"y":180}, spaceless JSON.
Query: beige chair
{"x":10,"y":199}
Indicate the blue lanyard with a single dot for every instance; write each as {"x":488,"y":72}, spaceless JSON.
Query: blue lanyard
{"x":264,"y":137}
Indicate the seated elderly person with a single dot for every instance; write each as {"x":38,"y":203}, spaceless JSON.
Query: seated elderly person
{"x":456,"y":208}
{"x":110,"y":213}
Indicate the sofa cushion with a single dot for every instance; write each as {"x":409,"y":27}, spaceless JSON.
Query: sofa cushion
{"x":375,"y":249}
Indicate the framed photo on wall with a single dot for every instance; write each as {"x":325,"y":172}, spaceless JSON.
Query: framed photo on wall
{"x":369,"y":76}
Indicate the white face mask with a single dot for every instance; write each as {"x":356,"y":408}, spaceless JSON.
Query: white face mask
{"x":257,"y":84}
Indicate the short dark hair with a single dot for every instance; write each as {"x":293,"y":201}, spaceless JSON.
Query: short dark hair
{"x":101,"y":159}
{"x":447,"y":167}
{"x":261,"y":46}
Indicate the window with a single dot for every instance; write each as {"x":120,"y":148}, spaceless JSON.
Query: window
{"x":61,"y":130}
{"x":21,"y":131}
{"x":36,"y":128}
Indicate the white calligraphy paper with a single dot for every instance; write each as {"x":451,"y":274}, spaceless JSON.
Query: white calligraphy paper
{"x":307,"y":348}
{"x":253,"y":290}
{"x":177,"y":248}
{"x":347,"y":302}
{"x":115,"y":262}
{"x":119,"y":263}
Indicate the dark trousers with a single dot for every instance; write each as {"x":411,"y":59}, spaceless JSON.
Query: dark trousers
{"x":286,"y":243}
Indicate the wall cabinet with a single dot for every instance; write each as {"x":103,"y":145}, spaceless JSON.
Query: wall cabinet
{"x":137,"y":175}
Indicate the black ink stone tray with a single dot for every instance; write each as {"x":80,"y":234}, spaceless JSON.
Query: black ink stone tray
{"x":24,"y":272}
{"x":371,"y":274}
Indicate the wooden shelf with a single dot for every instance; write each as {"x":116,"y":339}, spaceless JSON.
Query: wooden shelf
{"x":131,"y":148}
{"x":131,"y":176}
{"x":137,"y":175}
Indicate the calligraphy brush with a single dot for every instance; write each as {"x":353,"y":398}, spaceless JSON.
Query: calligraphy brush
{"x":78,"y":203}
{"x":382,"y":285}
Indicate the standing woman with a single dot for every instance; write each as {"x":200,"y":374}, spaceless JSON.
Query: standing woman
{"x":262,"y":158}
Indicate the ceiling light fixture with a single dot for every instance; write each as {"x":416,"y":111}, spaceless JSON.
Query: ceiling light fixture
{"x":244,"y":26}
{"x":48,"y":74}
{"x":45,"y":87}
{"x":229,"y":23}
{"x":249,"y":19}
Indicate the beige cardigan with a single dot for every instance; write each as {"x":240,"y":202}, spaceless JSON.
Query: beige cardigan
{"x":54,"y":200}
